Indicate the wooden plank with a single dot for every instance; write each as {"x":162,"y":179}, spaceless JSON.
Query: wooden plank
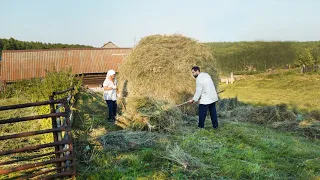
{"x":28,"y":118}
{"x":17,"y":106}
{"x":61,"y":92}
{"x":62,"y":174}
{"x":33,"y":157}
{"x":38,"y":174}
{"x":32,"y":133}
{"x":32,"y":148}
{"x":33,"y":165}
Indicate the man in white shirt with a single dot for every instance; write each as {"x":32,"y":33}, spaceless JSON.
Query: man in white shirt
{"x":206,"y":92}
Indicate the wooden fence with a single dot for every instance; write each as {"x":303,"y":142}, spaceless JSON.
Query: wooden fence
{"x":63,"y":161}
{"x":305,"y":69}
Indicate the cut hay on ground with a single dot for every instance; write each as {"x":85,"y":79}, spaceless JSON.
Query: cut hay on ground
{"x":178,"y":155}
{"x":278,"y":117}
{"x":263,"y":115}
{"x":146,"y":113}
{"x":125,"y":140}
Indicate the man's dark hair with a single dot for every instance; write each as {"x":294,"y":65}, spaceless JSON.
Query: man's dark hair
{"x":195,"y":68}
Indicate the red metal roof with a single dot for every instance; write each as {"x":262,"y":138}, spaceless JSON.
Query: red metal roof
{"x":27,"y":64}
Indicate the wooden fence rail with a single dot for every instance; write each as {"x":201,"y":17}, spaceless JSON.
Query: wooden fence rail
{"x":61,"y":116}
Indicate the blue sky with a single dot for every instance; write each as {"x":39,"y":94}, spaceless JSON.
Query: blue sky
{"x":121,"y":21}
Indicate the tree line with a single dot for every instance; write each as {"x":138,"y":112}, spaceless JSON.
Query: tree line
{"x":260,"y":55}
{"x":13,"y":44}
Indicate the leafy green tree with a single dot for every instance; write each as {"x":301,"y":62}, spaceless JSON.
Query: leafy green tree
{"x":305,"y":58}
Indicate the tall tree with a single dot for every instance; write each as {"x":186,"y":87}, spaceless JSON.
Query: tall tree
{"x":305,"y":58}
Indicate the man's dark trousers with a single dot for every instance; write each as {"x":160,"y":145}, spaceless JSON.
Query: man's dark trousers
{"x":203,"y":109}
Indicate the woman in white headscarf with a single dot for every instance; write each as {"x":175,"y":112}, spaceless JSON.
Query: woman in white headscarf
{"x":110,"y":94}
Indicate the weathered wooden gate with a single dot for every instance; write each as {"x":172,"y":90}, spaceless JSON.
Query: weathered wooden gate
{"x":61,"y":158}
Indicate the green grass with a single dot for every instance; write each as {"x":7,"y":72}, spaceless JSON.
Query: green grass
{"x":289,"y":87}
{"x":26,"y":126}
{"x":235,"y":151}
{"x":26,"y":91}
{"x":15,"y":128}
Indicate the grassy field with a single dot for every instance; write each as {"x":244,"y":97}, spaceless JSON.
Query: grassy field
{"x":289,"y":87}
{"x":239,"y":149}
{"x":236,"y":151}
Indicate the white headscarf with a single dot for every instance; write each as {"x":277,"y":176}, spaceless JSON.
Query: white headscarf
{"x":110,"y":73}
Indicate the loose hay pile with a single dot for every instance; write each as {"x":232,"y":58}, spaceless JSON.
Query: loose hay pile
{"x":156,"y":76}
{"x":263,"y":115}
{"x":146,"y":113}
{"x":176,"y":154}
{"x":278,"y":117}
{"x":128,"y":140}
{"x":311,"y":125}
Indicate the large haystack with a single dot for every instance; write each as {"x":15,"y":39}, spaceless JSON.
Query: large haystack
{"x":160,"y":67}
{"x":158,"y":73}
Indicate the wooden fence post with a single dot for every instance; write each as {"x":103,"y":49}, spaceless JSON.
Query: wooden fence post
{"x":68,"y":134}
{"x":55,"y":134}
{"x":59,"y":123}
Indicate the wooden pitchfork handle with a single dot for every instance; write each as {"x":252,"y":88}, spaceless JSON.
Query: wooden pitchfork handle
{"x":188,"y":101}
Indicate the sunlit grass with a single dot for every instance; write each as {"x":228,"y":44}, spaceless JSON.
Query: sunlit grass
{"x":289,"y":87}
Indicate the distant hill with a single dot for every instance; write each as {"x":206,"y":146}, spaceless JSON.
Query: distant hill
{"x":240,"y":56}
